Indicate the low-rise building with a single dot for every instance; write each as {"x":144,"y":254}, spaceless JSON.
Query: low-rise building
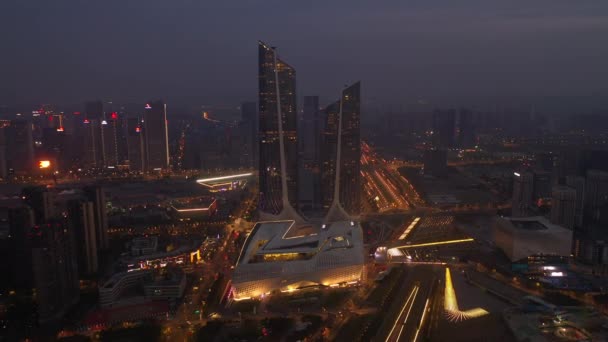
{"x":522,"y":237}
{"x":281,"y":256}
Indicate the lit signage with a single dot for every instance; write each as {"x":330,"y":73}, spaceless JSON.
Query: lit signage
{"x":44,"y":164}
{"x":60,"y":129}
{"x":86,"y":121}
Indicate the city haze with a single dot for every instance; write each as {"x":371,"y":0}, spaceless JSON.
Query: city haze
{"x":202,"y":52}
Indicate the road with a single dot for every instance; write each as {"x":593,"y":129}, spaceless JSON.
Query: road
{"x":407,"y":317}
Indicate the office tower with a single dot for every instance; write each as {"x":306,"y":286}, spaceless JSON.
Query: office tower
{"x":20,"y":153}
{"x":436,"y":163}
{"x":444,"y":128}
{"x":523,"y":191}
{"x":341,"y":150}
{"x":310,"y":134}
{"x":563,"y":206}
{"x":578,"y":184}
{"x":278,"y":154}
{"x":81,"y":217}
{"x":156,"y":140}
{"x":249,"y":131}
{"x":465,"y":132}
{"x":596,"y":198}
{"x":54,"y":268}
{"x":96,"y":195}
{"x":135,"y":145}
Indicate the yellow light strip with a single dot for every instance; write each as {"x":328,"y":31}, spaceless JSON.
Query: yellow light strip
{"x":204,"y":180}
{"x":408,"y":314}
{"x":438,"y":243}
{"x":401,"y":313}
{"x":450,"y":303}
{"x":422,"y":319}
{"x":409,"y":228}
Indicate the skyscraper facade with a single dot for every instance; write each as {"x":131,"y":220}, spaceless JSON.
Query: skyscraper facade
{"x":97,"y":196}
{"x":135,"y":145}
{"x":278,"y":164}
{"x":156,"y":136}
{"x":563,"y":206}
{"x":309,"y":137}
{"x":523,"y":193}
{"x":341,"y":152}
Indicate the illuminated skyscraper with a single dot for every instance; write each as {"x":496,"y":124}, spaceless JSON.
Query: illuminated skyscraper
{"x":135,"y":144}
{"x":156,"y":139}
{"x":341,"y":151}
{"x":277,"y":133}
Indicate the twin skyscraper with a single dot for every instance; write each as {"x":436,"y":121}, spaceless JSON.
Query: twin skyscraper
{"x":337,"y":164}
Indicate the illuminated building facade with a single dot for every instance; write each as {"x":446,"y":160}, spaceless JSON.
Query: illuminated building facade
{"x":277,"y":133}
{"x":199,"y":208}
{"x":225,"y":183}
{"x":341,"y":153}
{"x":282,"y":256}
{"x":156,"y":140}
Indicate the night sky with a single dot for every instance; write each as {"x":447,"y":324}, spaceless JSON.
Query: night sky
{"x":205,"y":52}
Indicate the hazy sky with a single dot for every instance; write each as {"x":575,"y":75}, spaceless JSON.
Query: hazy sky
{"x":205,"y":51}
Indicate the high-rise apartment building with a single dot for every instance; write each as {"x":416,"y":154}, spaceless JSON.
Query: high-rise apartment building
{"x":596,"y":198}
{"x":523,"y":193}
{"x":96,"y":195}
{"x":563,"y":206}
{"x":81,"y":217}
{"x":156,"y":140}
{"x":578,"y":184}
{"x":278,"y":155}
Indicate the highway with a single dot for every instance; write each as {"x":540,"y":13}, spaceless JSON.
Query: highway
{"x":407,"y":318}
{"x":383,"y":184}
